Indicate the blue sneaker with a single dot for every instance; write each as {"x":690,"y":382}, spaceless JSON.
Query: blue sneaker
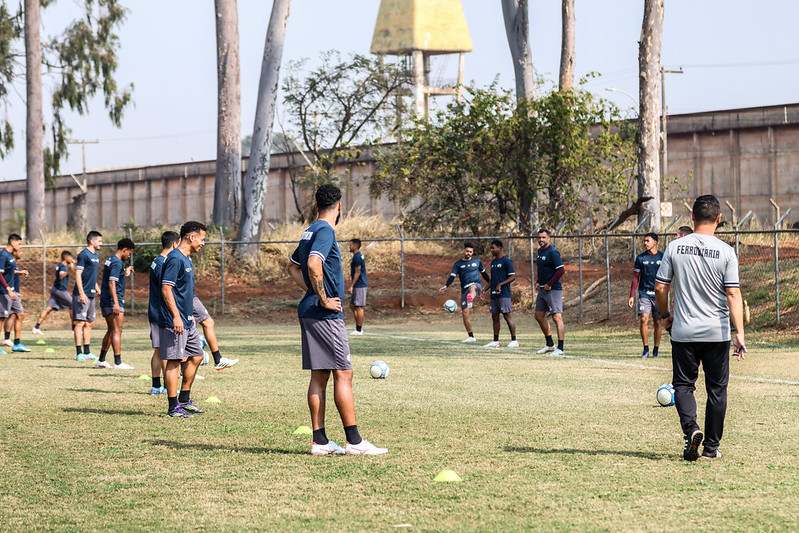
{"x":205,"y":343}
{"x":90,"y":355}
{"x":82,"y":357}
{"x":191,"y":407}
{"x":3,"y":352}
{"x":162,"y":390}
{"x":645,"y":354}
{"x":179,"y":412}
{"x":155,"y":391}
{"x":20,"y":348}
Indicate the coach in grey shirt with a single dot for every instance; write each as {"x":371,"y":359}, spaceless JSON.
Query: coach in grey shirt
{"x":707,"y":295}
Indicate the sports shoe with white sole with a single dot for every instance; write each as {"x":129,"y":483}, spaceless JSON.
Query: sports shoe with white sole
{"x":557,"y":351}
{"x":36,"y":331}
{"x":356,"y":332}
{"x":224,"y":362}
{"x":8,"y":342}
{"x":123,"y":366}
{"x":546,"y":349}
{"x":513,"y":344}
{"x":102,"y":364}
{"x":19,"y":348}
{"x":711,"y":455}
{"x":331,"y":448}
{"x":492,"y":344}
{"x":364,"y":448}
{"x":469,"y":339}
{"x":691,"y":450}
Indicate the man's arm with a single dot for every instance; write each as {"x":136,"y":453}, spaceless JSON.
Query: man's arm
{"x":316,"y":274}
{"x":169,"y":301}
{"x":558,"y":274}
{"x":355,"y":277}
{"x":296,"y":274}
{"x":450,"y":279}
{"x":79,"y":285}
{"x":735,"y":304}
{"x":112,"y":287}
{"x":633,"y":288}
{"x":662,"y":299}
{"x":510,"y":279}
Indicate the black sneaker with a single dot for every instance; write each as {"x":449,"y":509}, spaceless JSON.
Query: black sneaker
{"x":691,"y":450}
{"x":711,"y":455}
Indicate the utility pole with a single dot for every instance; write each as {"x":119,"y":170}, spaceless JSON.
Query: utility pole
{"x":83,"y":143}
{"x":664,"y":161}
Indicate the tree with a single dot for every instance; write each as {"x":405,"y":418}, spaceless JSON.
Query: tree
{"x":649,"y":112}
{"x":517,"y":30}
{"x":338,"y":109}
{"x":252,"y":211}
{"x":566,"y":78}
{"x":477,"y":167}
{"x":227,"y":186}
{"x":82,"y":60}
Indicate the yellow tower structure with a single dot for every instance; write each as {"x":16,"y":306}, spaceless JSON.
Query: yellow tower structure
{"x":421,"y":29}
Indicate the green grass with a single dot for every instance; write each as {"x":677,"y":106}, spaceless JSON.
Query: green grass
{"x":542,"y":443}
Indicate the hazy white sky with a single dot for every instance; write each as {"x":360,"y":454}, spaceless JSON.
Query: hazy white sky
{"x":734,"y":53}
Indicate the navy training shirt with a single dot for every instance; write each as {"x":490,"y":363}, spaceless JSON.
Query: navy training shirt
{"x":647,"y":264}
{"x":548,"y":261}
{"x":501,"y":269}
{"x":8,"y":266}
{"x":178,"y":273}
{"x":468,"y":272}
{"x":113,"y":269}
{"x":319,"y":239}
{"x":61,"y":284}
{"x":358,"y":261}
{"x":88,"y":263}
{"x":16,"y":284}
{"x":156,"y":300}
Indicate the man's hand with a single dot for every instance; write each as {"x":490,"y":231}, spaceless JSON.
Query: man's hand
{"x":740,"y":347}
{"x":12,"y":294}
{"x":332,"y":304}
{"x":129,"y":270}
{"x":547,"y":288}
{"x":350,"y":289}
{"x":442,"y":289}
{"x":23,"y":273}
{"x":177,"y":324}
{"x":83,"y":299}
{"x":630,"y":302}
{"x":117,"y":309}
{"x":667,"y":323}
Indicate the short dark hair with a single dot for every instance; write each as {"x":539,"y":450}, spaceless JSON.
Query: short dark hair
{"x":684,"y":230}
{"x":544,"y":230}
{"x":65,"y":254}
{"x":706,"y":208}
{"x":92,"y":235}
{"x":356,"y":242}
{"x":168,"y":238}
{"x":497,"y":243}
{"x":327,"y":196}
{"x":125,"y":244}
{"x":468,"y":245}
{"x":653,"y":236}
{"x":192,"y":226}
{"x":14,"y":238}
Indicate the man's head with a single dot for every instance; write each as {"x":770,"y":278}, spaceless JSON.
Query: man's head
{"x":682,"y":231}
{"x":706,"y":210}
{"x":125,"y":248}
{"x":355,"y":245}
{"x":15,"y":242}
{"x":496,"y":248}
{"x":66,"y":257}
{"x":651,"y":241}
{"x":94,"y":239}
{"x":543,"y":237}
{"x":328,"y":197}
{"x":169,"y":240}
{"x":468,"y":251}
{"x":193,"y":233}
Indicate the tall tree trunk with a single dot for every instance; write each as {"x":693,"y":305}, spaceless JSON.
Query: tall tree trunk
{"x":227,"y":187}
{"x":566,"y":80}
{"x":517,"y":30}
{"x":258,"y":167}
{"x":34,"y":195}
{"x":649,"y":112}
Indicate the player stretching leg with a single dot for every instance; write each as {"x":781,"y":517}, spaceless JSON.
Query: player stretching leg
{"x":86,"y":288}
{"x":502,"y":275}
{"x":202,"y":317}
{"x":112,"y":302}
{"x":358,"y":286}
{"x":468,"y":269}
{"x":644,"y":272}
{"x":550,"y":294}
{"x":59,"y":297}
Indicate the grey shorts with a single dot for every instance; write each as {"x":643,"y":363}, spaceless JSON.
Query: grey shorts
{"x":200,"y":312}
{"x":648,"y":306}
{"x":325,"y":345}
{"x":106,"y":311}
{"x":59,"y":300}
{"x":8,"y":306}
{"x":358,"y":298}
{"x":465,"y":291}
{"x":155,"y":335}
{"x":500,"y":305}
{"x":550,"y":301}
{"x":175,"y":347}
{"x":84,"y":313}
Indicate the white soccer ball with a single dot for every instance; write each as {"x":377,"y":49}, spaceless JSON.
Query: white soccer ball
{"x":451,"y":305}
{"x":665,"y":395}
{"x":379,"y":370}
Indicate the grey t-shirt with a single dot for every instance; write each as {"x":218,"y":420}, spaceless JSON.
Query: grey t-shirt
{"x":700,"y":267}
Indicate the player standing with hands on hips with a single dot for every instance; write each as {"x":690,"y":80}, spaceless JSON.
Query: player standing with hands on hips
{"x":703,"y":271}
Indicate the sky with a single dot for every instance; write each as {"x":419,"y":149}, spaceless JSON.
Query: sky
{"x":733,"y":53}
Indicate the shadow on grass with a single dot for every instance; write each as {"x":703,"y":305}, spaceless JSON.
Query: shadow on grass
{"x":89,"y":410}
{"x":574,"y":451}
{"x":218,"y":447}
{"x":98,"y":390}
{"x":60,"y":366}
{"x":40,"y":358}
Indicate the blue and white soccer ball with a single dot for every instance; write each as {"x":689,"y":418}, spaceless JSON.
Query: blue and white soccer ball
{"x":665,"y":395}
{"x":202,"y":339}
{"x":379,"y":370}
{"x":451,"y":305}
{"x":206,"y":358}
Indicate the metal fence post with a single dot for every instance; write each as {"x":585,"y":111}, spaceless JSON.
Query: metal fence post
{"x":402,"y":266}
{"x":738,"y":227}
{"x":132,"y":278}
{"x":607,"y":258}
{"x":777,"y":261}
{"x":44,"y":269}
{"x":666,"y":231}
{"x":509,"y":240}
{"x":580,"y":263}
{"x":222,"y":265}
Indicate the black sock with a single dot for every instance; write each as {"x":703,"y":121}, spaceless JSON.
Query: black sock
{"x":157,"y":382}
{"x":8,"y":334}
{"x":17,"y":341}
{"x":37,"y":325}
{"x":496,"y":338}
{"x":646,"y":347}
{"x":217,"y":357}
{"x":353,"y":437}
{"x":73,"y":327}
{"x":358,"y":328}
{"x":655,"y":350}
{"x":184,"y":396}
{"x":560,"y":345}
{"x":550,"y":342}
{"x":471,"y":334}
{"x":78,"y":349}
{"x":319,"y":436}
{"x":103,"y":353}
{"x":87,"y":348}
{"x":513,"y":337}
{"x":118,"y":359}
{"x":173,"y":402}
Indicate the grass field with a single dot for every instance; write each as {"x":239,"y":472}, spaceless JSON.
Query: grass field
{"x":541,"y":443}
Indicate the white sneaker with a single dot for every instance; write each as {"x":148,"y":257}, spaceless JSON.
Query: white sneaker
{"x":513,"y":344}
{"x":365,"y":448}
{"x":331,"y":448}
{"x":557,"y":351}
{"x":546,"y":349}
{"x":492,"y":344}
{"x":123,"y":366}
{"x":224,"y":362}
{"x":469,"y":339}
{"x":8,"y":342}
{"x":36,"y":331}
{"x":356,"y":332}
{"x":102,"y":364}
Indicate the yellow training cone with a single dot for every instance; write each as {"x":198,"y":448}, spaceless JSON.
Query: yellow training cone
{"x":447,"y":475}
{"x":213,"y":399}
{"x":40,"y":341}
{"x":303,"y":430}
{"x":144,"y":376}
{"x":49,"y":350}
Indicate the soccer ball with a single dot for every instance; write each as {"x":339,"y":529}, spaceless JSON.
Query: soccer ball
{"x":665,"y":395}
{"x":206,"y":358}
{"x":202,"y":339}
{"x":379,"y":370}
{"x":451,"y":305}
